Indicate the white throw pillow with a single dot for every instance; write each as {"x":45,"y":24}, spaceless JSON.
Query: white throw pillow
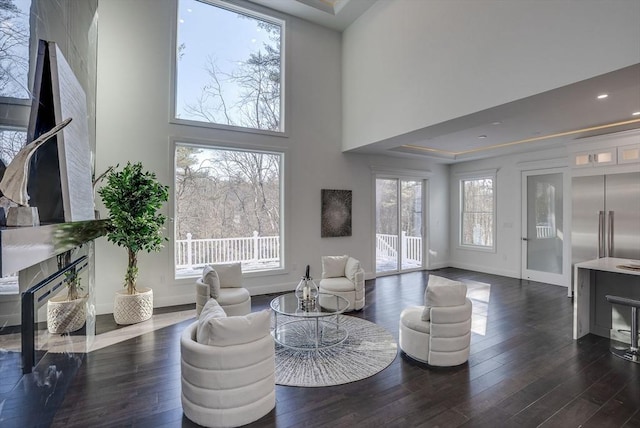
{"x":333,"y":266}
{"x":351,"y":268}
{"x":211,"y":310}
{"x":210,"y":277}
{"x":442,"y":292}
{"x":230,"y":275}
{"x":236,"y":330}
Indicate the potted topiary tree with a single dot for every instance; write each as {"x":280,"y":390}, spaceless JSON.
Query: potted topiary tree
{"x":133,"y":198}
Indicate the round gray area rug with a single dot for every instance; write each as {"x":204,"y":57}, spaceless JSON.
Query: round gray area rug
{"x":368,"y":350}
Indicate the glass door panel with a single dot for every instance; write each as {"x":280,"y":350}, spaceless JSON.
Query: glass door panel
{"x":543,"y":238}
{"x":411,"y":219}
{"x":386,"y":225}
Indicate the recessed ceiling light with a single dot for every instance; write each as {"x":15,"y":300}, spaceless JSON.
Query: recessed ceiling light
{"x":497,"y":122}
{"x":482,"y":137}
{"x":602,"y":96}
{"x":635,"y":113}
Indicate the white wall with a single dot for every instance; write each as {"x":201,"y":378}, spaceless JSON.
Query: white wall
{"x":506,"y":260}
{"x":410,"y":64}
{"x":134,"y":81}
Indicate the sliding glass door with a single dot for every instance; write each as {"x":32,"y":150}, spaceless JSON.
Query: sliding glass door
{"x":386,"y":225}
{"x":399,"y":224}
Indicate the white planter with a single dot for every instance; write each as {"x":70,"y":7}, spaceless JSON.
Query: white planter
{"x":65,"y":316}
{"x":133,"y":308}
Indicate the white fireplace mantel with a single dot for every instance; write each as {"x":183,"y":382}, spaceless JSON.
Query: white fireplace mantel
{"x":21,"y":247}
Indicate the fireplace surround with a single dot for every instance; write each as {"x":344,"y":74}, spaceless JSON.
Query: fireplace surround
{"x":32,"y":252}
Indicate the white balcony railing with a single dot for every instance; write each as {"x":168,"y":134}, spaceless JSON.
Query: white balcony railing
{"x":545,"y":232}
{"x":387,"y":247}
{"x":195,"y":253}
{"x":257,"y":252}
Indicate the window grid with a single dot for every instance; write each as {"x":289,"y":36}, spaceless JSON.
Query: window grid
{"x":477,"y":220}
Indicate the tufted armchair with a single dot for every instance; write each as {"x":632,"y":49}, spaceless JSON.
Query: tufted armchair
{"x":223,"y":282}
{"x":342,"y":276}
{"x":227,"y":368}
{"x":438,"y":333}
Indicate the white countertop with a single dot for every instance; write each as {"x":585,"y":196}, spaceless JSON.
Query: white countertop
{"x":610,"y":264}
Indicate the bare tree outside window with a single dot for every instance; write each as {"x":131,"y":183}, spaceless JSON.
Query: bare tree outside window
{"x":14,"y":48}
{"x":235,"y":77}
{"x":14,"y":69}
{"x":228,"y":207}
{"x":411,"y":207}
{"x":228,"y":72}
{"x":477,"y":212}
{"x":10,"y":144}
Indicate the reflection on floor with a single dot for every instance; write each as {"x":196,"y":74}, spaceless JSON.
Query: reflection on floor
{"x":40,"y":392}
{"x":479,"y":293}
{"x":61,"y":343}
{"x":107,"y":334}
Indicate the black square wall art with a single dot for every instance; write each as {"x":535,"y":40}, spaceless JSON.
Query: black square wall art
{"x":336,"y":213}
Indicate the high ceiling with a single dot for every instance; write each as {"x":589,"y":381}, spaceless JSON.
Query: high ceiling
{"x":545,"y":120}
{"x":334,"y":14}
{"x":541,"y":121}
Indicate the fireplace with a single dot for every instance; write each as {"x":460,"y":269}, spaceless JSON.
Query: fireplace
{"x":45,"y":257}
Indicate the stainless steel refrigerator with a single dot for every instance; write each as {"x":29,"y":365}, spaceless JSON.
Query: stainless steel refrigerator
{"x":605,"y":217}
{"x":606,"y":223}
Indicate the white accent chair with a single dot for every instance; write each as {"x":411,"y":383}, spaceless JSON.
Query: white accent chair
{"x":438,"y":333}
{"x":223,"y":282}
{"x":227,"y":368}
{"x":342,"y":276}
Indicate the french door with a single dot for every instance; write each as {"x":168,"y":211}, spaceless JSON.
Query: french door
{"x":399,"y":239}
{"x":544,"y":234}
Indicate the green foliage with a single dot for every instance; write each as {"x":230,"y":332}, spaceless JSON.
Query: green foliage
{"x":133,"y":198}
{"x":71,"y":278}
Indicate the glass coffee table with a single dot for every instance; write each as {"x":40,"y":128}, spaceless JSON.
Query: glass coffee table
{"x":311,"y":328}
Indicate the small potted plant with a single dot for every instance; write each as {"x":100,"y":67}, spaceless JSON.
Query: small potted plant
{"x":67,"y":313}
{"x":133,"y":198}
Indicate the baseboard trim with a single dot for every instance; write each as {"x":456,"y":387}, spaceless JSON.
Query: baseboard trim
{"x":184,"y":299}
{"x":485,"y":269}
{"x":440,"y":265}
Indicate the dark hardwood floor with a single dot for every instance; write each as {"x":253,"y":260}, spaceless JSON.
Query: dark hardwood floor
{"x":524,"y":370}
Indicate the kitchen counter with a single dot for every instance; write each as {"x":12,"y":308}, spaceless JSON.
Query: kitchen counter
{"x":586,"y":304}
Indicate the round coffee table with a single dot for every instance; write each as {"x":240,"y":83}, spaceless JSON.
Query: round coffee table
{"x":308,"y":328}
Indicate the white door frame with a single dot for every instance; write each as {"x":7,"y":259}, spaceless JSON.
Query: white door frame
{"x":564,"y":278}
{"x":424,"y":230}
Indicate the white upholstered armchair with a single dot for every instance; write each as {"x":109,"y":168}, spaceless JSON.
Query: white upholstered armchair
{"x":223,"y":282}
{"x":438,"y":333}
{"x":227,"y":368}
{"x":342,"y":276}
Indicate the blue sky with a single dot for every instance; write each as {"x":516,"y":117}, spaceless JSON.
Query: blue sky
{"x":213,"y":31}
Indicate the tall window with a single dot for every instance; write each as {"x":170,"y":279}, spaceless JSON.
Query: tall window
{"x":477,"y":212}
{"x":14,"y":92}
{"x":229,"y":66}
{"x":14,"y":68}
{"x":228,"y":208}
{"x":14,"y":48}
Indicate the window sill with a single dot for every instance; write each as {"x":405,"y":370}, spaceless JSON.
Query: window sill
{"x":476,"y":248}
{"x":222,"y":127}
